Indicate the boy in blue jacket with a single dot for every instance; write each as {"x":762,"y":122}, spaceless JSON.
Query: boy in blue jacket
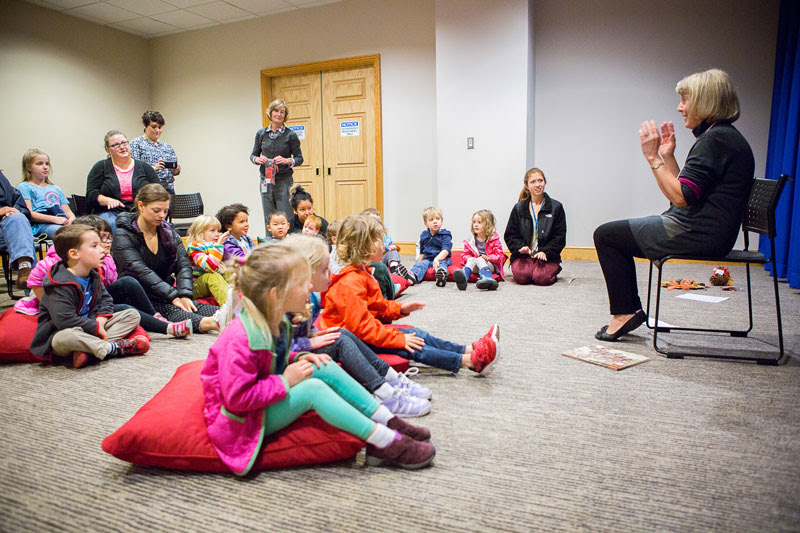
{"x":435,"y":245}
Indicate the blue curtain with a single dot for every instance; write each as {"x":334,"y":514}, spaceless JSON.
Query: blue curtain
{"x":783,"y":153}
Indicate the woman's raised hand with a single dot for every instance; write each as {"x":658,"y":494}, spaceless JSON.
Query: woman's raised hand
{"x":297,"y":372}
{"x":667,"y":148}
{"x":413,"y":343}
{"x":650,"y":139}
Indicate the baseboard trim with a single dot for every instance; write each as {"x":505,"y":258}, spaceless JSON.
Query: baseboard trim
{"x":570,"y":253}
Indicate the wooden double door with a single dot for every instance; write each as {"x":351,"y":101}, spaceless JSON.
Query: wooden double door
{"x":333,"y":112}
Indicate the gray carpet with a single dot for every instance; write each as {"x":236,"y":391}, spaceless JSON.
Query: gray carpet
{"x":544,"y":443}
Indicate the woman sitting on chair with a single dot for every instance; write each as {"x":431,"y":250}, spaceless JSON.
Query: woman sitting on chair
{"x":707,"y":196}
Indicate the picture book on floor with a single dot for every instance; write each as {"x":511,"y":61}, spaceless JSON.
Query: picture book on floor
{"x":605,"y":356}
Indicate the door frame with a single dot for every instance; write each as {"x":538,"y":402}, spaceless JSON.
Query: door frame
{"x":373,"y":61}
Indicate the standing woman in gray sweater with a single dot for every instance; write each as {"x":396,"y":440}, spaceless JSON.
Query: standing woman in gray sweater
{"x":278,"y":148}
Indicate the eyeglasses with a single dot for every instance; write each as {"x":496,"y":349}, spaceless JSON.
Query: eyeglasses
{"x":106,"y":239}
{"x":117,"y":145}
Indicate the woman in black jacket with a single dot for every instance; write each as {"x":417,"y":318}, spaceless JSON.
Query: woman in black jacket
{"x":536,"y":233}
{"x":114,"y":182}
{"x":148,"y":249}
{"x":277,"y":147}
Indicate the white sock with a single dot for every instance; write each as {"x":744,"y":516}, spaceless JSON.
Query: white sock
{"x":391,"y":374}
{"x":382,"y":415}
{"x":382,"y":436}
{"x":384,"y":392}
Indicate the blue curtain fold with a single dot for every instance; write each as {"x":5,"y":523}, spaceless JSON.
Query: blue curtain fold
{"x":783,"y":152}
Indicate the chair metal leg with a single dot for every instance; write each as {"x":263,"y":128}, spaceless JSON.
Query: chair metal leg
{"x":649,"y":288}
{"x":656,"y":327}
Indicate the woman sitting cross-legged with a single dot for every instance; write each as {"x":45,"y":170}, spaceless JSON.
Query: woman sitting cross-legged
{"x":707,"y":196}
{"x":147,"y":248}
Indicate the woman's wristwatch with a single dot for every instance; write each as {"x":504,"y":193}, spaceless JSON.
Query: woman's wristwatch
{"x":657,"y":164}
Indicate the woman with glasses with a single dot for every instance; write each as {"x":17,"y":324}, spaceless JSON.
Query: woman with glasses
{"x":113,"y":182}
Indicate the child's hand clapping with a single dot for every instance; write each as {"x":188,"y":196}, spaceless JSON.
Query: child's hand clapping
{"x":409,"y":307}
{"x":222,"y":237}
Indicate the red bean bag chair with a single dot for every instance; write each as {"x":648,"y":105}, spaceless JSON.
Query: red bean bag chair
{"x":169,"y":432}
{"x":16,"y":334}
{"x":430,"y":275}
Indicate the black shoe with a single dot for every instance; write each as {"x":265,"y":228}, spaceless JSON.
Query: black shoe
{"x":633,"y":322}
{"x":488,"y":284}
{"x":441,"y":277}
{"x":403,"y":271}
{"x":460,"y":277}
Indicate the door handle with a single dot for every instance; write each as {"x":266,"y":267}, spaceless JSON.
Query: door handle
{"x":329,"y":171}
{"x":317,"y":171}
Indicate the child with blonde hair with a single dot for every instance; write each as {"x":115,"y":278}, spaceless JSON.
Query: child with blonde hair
{"x":399,"y":394}
{"x":354,"y":301}
{"x":206,"y":249}
{"x":483,"y":252}
{"x":391,"y":253}
{"x":254,"y":386}
{"x":48,"y":206}
{"x":434,"y":247}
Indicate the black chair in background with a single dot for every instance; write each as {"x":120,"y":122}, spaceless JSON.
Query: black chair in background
{"x":759,"y":218}
{"x":79,"y":205}
{"x":183,"y":206}
{"x":5,"y":258}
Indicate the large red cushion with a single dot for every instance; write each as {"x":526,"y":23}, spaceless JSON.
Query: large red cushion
{"x":455,"y":255}
{"x":16,"y":334}
{"x":402,"y":282}
{"x":169,"y":431}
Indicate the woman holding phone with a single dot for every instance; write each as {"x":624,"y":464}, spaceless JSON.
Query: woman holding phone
{"x":156,"y":153}
{"x":278,"y":148}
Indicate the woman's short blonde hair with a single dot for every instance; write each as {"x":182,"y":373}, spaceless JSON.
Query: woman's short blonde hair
{"x":711,"y":96}
{"x":27,"y":161}
{"x":488,"y":221}
{"x":358,"y":237}
{"x":202,"y":224}
{"x":266,"y":268}
{"x":313,"y":248}
{"x":275,"y":105}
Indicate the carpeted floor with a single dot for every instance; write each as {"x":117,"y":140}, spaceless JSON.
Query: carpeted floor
{"x":545,"y":443}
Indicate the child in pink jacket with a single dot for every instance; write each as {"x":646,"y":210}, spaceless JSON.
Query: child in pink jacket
{"x":253,"y":386}
{"x":125,"y":291}
{"x":483,"y":253}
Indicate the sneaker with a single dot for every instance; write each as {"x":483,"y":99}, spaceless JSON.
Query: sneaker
{"x":160,"y":317}
{"x":22,"y":278}
{"x":180,"y":329}
{"x":27,"y":306}
{"x":404,"y":405}
{"x":136,"y":346}
{"x":414,"y":389}
{"x":79,"y":359}
{"x":224,"y":314}
{"x":417,"y":433}
{"x":485,"y":352}
{"x":441,"y":277}
{"x":460,"y":277}
{"x":404,"y":452}
{"x":403,"y":271}
{"x":487,"y":284}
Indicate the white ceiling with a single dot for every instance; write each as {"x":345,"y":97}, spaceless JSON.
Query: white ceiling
{"x":152,"y":18}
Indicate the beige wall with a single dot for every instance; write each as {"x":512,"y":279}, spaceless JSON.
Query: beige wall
{"x":65,"y":82}
{"x":206,"y":83}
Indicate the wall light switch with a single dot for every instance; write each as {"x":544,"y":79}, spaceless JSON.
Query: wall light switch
{"x":470,"y":143}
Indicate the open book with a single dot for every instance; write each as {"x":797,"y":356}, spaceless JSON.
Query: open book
{"x":605,"y":356}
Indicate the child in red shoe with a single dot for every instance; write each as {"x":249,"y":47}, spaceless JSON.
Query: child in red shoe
{"x":76,"y":314}
{"x":354,"y":302}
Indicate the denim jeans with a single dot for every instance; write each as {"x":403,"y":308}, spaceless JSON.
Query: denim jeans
{"x":111,"y":218}
{"x":358,"y":360}
{"x":49,"y":230}
{"x":16,"y":237}
{"x":128,"y":292}
{"x":436,"y":352}
{"x":276,"y":197}
{"x":421,"y":267}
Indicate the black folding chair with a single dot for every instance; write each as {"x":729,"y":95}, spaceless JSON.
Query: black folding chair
{"x":79,"y":205}
{"x":7,"y":274}
{"x":184,"y":206}
{"x":759,"y":218}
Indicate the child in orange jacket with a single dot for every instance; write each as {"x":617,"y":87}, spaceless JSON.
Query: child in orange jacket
{"x":354,"y":301}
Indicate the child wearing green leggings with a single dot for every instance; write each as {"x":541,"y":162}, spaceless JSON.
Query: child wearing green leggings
{"x":253,"y":386}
